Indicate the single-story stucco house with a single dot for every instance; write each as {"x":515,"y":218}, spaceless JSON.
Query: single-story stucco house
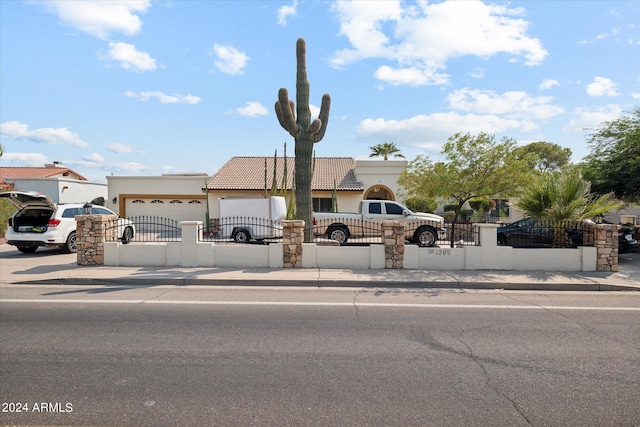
{"x":61,"y":184}
{"x":184,"y":197}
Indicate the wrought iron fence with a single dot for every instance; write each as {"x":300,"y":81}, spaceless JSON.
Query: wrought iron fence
{"x":354,"y":231}
{"x":532,"y":233}
{"x":359,"y":231}
{"x":241,"y":230}
{"x":464,"y":233}
{"x":156,"y":229}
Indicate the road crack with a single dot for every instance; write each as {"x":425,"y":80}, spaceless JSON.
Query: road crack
{"x":489,"y":383}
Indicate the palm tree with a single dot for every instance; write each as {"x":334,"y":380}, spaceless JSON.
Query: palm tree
{"x":564,"y":196}
{"x":385,"y":150}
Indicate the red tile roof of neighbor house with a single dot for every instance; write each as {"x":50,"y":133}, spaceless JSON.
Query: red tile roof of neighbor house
{"x":247,"y":173}
{"x":38,"y":172}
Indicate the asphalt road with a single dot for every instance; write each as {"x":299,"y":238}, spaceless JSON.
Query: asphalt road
{"x":200,"y":356}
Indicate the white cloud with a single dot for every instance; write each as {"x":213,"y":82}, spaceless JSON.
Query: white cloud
{"x":120,"y":148}
{"x":99,"y":18}
{"x":422,"y":39}
{"x":229,"y":59}
{"x":94,"y":158}
{"x":431,"y":131}
{"x":512,"y":104}
{"x":412,"y":76}
{"x":252,"y":109}
{"x":129,"y":57}
{"x":285,"y":12}
{"x":163,"y":98}
{"x":315,"y":111}
{"x":586,"y":118}
{"x":614,"y":32}
{"x":548,"y":84}
{"x":635,"y":95}
{"x":25,"y":159}
{"x":477,"y":73}
{"x":17,"y":130}
{"x":602,"y":86}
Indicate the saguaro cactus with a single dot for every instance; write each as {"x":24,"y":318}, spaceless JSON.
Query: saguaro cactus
{"x":305,"y":132}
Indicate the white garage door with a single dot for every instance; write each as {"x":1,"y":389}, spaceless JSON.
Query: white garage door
{"x":182,"y":209}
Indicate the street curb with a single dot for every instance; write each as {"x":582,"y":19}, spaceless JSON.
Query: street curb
{"x":319,"y":283}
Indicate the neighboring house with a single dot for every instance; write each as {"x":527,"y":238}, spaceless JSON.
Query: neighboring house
{"x":184,"y":197}
{"x":60,"y":183}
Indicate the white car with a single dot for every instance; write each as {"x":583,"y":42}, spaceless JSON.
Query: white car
{"x":40,"y":222}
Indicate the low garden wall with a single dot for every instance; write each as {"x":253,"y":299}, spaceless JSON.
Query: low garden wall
{"x":191,"y":251}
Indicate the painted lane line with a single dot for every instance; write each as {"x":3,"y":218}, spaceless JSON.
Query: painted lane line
{"x":319,"y":304}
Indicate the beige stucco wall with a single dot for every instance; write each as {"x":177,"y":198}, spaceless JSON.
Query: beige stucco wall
{"x":166,"y":186}
{"x":380,"y":173}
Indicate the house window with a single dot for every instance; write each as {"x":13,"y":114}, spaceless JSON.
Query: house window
{"x":321,"y":204}
{"x":176,"y":201}
{"x":195,"y":201}
{"x":157,"y":201}
{"x":138,"y":201}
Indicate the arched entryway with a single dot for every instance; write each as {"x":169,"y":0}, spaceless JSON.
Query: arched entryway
{"x":379,"y":192}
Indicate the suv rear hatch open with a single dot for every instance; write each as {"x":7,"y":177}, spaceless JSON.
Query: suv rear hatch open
{"x":34,"y":211}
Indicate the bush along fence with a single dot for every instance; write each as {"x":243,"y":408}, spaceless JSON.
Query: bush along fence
{"x":96,"y":246}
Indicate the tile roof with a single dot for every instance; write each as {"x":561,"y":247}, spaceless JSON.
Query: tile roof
{"x":37,"y":172}
{"x":247,"y":173}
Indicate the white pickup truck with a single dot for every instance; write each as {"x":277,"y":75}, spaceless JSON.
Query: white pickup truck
{"x":421,"y":228}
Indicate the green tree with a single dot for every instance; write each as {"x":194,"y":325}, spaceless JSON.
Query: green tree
{"x":614,"y":162}
{"x":421,"y":204}
{"x":544,"y":156}
{"x":475,"y":166}
{"x":305,"y":132}
{"x":385,"y":150}
{"x":564,"y":196}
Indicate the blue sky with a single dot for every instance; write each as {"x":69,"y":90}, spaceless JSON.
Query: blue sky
{"x":154,"y":87}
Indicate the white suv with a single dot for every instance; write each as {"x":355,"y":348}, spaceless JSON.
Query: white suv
{"x":40,"y":222}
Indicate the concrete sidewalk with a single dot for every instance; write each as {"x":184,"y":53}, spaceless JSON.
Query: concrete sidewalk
{"x":53,"y":267}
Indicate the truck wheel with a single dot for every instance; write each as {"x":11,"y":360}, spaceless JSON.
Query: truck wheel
{"x":425,"y":237}
{"x":27,"y":249}
{"x":339,"y":234}
{"x":242,"y":236}
{"x":127,"y":235}
{"x":71,"y":245}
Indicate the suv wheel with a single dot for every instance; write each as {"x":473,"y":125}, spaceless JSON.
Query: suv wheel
{"x":127,"y":236}
{"x":71,"y":245}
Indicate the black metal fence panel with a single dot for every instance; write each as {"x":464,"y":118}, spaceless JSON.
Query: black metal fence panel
{"x":463,"y":234}
{"x":156,"y":229}
{"x":359,"y":231}
{"x":349,"y":231}
{"x":233,"y":230}
{"x":533,"y":233}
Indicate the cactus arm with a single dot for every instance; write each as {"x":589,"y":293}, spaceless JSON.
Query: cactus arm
{"x":323,"y":117}
{"x":314,"y":127}
{"x":284,"y":112}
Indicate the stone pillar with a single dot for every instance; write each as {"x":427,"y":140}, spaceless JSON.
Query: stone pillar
{"x":292,"y":239}
{"x":91,"y":233}
{"x":393,"y":238}
{"x":606,"y":242}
